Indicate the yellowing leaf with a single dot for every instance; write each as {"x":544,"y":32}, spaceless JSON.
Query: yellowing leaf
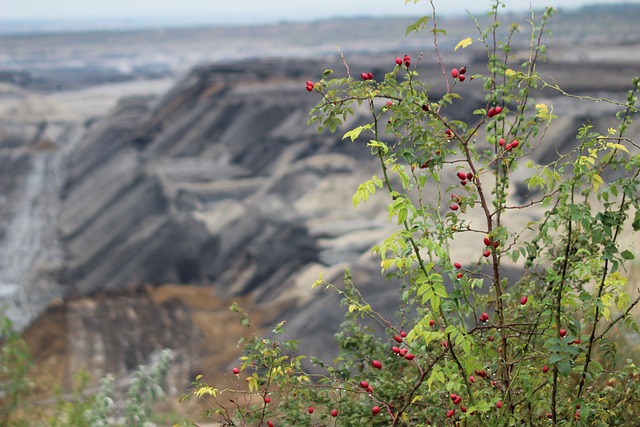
{"x":206,"y":390}
{"x":619,"y":147}
{"x":463,"y":43}
{"x":596,"y":180}
{"x":510,"y":72}
{"x":318,"y":282}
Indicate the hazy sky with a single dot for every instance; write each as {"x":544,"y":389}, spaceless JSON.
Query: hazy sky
{"x":246,"y":11}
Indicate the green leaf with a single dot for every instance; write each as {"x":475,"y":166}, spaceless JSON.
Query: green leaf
{"x":564,"y":368}
{"x":353,"y":134}
{"x":627,"y":254}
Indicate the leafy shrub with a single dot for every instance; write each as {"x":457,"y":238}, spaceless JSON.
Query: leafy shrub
{"x":479,"y":348}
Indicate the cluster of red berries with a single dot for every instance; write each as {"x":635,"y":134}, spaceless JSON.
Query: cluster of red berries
{"x":494,"y":111}
{"x":402,"y":352}
{"x":406,"y":61}
{"x":464,"y":177}
{"x":310,"y":85}
{"x":366,"y":386}
{"x":459,"y":73}
{"x":508,"y":147}
{"x":484,"y":317}
{"x":367,"y":76}
{"x":489,"y":243}
{"x":457,"y":265}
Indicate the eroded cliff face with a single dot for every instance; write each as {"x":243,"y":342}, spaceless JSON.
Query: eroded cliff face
{"x":220,"y":182}
{"x":218,"y":187}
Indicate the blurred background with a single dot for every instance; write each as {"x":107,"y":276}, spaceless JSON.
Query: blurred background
{"x":156,"y":164}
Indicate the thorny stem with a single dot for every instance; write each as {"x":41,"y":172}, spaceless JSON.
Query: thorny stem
{"x":558,"y":311}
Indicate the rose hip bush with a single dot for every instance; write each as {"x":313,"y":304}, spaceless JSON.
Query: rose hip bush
{"x":469,"y":346}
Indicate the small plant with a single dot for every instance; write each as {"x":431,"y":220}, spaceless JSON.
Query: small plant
{"x":15,"y":364}
{"x":479,"y":348}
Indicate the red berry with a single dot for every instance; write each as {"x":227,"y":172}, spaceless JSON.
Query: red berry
{"x":369,"y":389}
{"x":577,"y":415}
{"x":501,"y":142}
{"x":310,"y":409}
{"x":454,"y":207}
{"x":491,"y":112}
{"x":469,"y":176}
{"x":457,"y":400}
{"x":395,"y":349}
{"x":398,"y":60}
{"x":407,"y":63}
{"x":577,"y":341}
{"x":462,"y":77}
{"x":549,"y":415}
{"x":493,"y":383}
{"x":236,"y":371}
{"x":375,"y":410}
{"x":487,"y":241}
{"x":484,"y":317}
{"x":364,"y":384}
{"x":269,"y":424}
{"x":267,"y":399}
{"x":370,"y":75}
{"x":498,"y":109}
{"x":454,"y":73}
{"x":309,"y":88}
{"x":523,"y":300}
{"x":563,"y":332}
{"x":499,"y":404}
{"x":365,"y":76}
{"x":545,"y":369}
{"x":449,"y":133}
{"x":577,"y":406}
{"x":463,"y":182}
{"x":376,"y":364}
{"x":403,"y":334}
{"x":490,"y":338}
{"x":514,"y":143}
{"x":486,"y":253}
{"x":496,"y":244}
{"x":389,"y":103}
{"x":453,"y":396}
{"x":409,"y":356}
{"x":450,"y":413}
{"x":397,"y":338}
{"x":459,"y":275}
{"x":457,"y":265}
{"x":334,"y":413}
{"x":425,"y":107}
{"x":432,"y":322}
{"x":403,"y":351}
{"x":444,"y":343}
{"x":472,"y":379}
{"x":463,"y":409}
{"x":462,"y":70}
{"x":461,"y":175}
{"x":482,"y":373}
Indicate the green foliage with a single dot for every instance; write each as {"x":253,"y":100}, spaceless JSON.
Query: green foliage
{"x":15,"y":363}
{"x":538,"y":350}
{"x":80,"y":408}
